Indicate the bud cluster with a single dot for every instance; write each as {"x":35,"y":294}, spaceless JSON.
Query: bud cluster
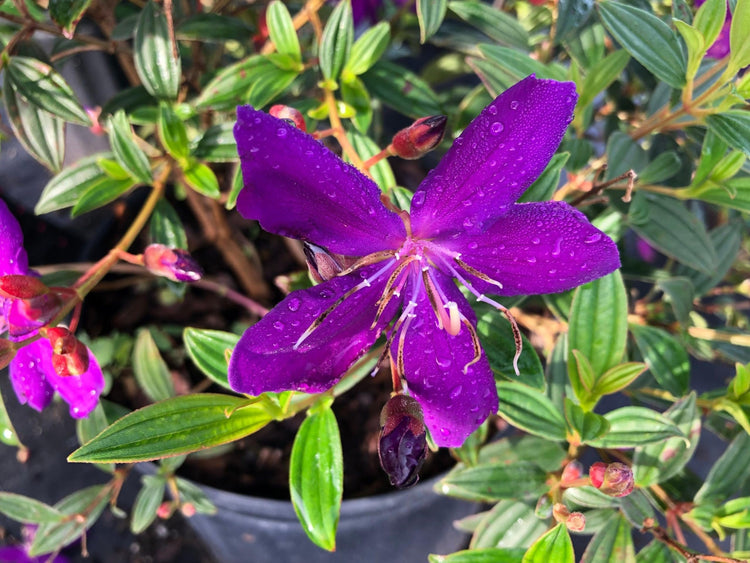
{"x":614,"y":479}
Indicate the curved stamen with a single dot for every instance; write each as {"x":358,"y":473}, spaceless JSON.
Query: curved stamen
{"x":373,"y":258}
{"x":474,"y":272}
{"x":391,"y":288}
{"x":475,"y":342}
{"x":320,"y":318}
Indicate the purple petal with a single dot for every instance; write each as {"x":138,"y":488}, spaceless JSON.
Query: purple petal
{"x":454,"y":403}
{"x":265,"y":359}
{"x":81,"y":392}
{"x":27,"y":373}
{"x":296,"y":187}
{"x":13,"y":258}
{"x":536,"y":248}
{"x":495,"y":159}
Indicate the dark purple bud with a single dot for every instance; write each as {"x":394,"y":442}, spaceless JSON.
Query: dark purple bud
{"x":173,"y":263}
{"x":402,"y":446}
{"x":419,"y":138}
{"x":322,"y":264}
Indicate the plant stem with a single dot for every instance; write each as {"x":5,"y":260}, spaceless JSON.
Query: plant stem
{"x":340,"y":133}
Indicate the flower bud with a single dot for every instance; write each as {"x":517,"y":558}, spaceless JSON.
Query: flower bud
{"x":576,"y":522}
{"x":172,"y":263}
{"x":16,"y":286}
{"x":419,"y":138}
{"x":165,"y":510}
{"x":289,"y":114}
{"x":322,"y":264}
{"x":572,"y":472}
{"x":69,"y":355}
{"x":402,"y":445}
{"x":615,"y":479}
{"x":188,"y":509}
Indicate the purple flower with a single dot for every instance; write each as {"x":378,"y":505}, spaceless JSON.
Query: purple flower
{"x":367,"y":10}
{"x":720,"y":47}
{"x":20,"y":553}
{"x":31,"y":371}
{"x":463,"y":226}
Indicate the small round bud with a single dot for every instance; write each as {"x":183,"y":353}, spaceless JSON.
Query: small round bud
{"x":188,"y":509}
{"x":402,"y":445}
{"x":572,"y":472}
{"x":576,"y":522}
{"x":172,"y":263}
{"x":16,"y":286}
{"x":614,"y":479}
{"x":164,"y":511}
{"x":419,"y":138}
{"x":290,"y":115}
{"x":322,"y":264}
{"x":560,"y":512}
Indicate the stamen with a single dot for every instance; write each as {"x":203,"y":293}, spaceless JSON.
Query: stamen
{"x":320,"y":318}
{"x":475,"y":342}
{"x":373,"y":258}
{"x":433,"y":294}
{"x":454,"y":325}
{"x":481,"y":275}
{"x":390,"y":290}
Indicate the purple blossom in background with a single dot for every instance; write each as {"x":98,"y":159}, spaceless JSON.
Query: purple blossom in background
{"x":31,"y":371}
{"x":20,"y":553}
{"x":463,"y":226}
{"x":720,"y":47}
{"x":367,"y":10}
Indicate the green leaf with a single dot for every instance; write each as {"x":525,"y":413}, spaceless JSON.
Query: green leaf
{"x":670,"y":228}
{"x":496,"y":335}
{"x":492,"y":482}
{"x":231,"y":84}
{"x":679,"y":292}
{"x":635,"y":426}
{"x":151,"y":373}
{"x":482,"y":555}
{"x":367,"y":49}
{"x":176,"y":426}
{"x":366,"y":148}
{"x":430,"y":14}
{"x":582,"y":379}
{"x":713,"y":150}
{"x":728,"y":474}
{"x":270,"y":81}
{"x":663,"y":167}
{"x":336,"y":42}
{"x":209,"y":351}
{"x":496,"y":24}
{"x":733,"y":126}
{"x":27,"y":510}
{"x":39,"y":132}
{"x":201,"y":178}
{"x":726,"y":240}
{"x":510,"y":524}
{"x":101,"y":193}
{"x":648,"y":39}
{"x":316,"y":477}
{"x":65,"y":188}
{"x":43,"y":86}
{"x":739,"y":47}
{"x":618,"y":377}
{"x":67,"y":13}
{"x":166,"y":228}
{"x":127,"y":152}
{"x":217,"y":144}
{"x":583,"y":426}
{"x":546,"y":184}
{"x":665,"y":357}
{"x":696,"y":47}
{"x":281,"y":30}
{"x":210,"y":27}
{"x":402,"y":90}
{"x":598,"y":323}
{"x":733,"y":193}
{"x":82,"y":508}
{"x":8,"y":434}
{"x":571,"y":15}
{"x":517,"y":64}
{"x":354,"y":93}
{"x":172,"y":132}
{"x":555,"y":545}
{"x":147,"y":502}
{"x":740,"y":384}
{"x":636,"y":507}
{"x":530,"y":410}
{"x":158,"y":67}
{"x":709,"y":19}
{"x":611,"y":544}
{"x":589,"y":497}
{"x":600,"y":76}
{"x":193,"y":494}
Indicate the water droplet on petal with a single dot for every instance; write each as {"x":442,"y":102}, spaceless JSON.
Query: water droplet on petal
{"x":293,"y":304}
{"x":496,"y":128}
{"x":492,"y":110}
{"x":557,"y":248}
{"x":531,"y":260}
{"x":456,"y":391}
{"x":596,"y":237}
{"x":281,"y":132}
{"x":468,"y":223}
{"x":535,"y":240}
{"x":278,"y":325}
{"x":473,"y":245}
{"x":418,"y":199}
{"x":514,"y":104}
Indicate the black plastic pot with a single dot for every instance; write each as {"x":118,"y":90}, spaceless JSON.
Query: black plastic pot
{"x":398,"y":527}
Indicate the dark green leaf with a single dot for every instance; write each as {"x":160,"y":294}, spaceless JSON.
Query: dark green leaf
{"x":381,"y":172}
{"x":64,"y":189}
{"x":127,"y":152}
{"x":67,"y":13}
{"x":589,"y":497}
{"x":193,"y":494}
{"x":509,"y":524}
{"x":517,"y":64}
{"x":430,"y":14}
{"x":601,"y":75}
{"x":557,"y":373}
{"x":201,"y":178}
{"x":172,"y":132}
{"x":624,"y":154}
{"x":530,"y":410}
{"x":336,"y":42}
{"x":651,"y":42}
{"x":680,"y":293}
{"x":670,"y":228}
{"x":27,"y":510}
{"x":173,"y":427}
{"x":555,"y":545}
{"x":269,"y":83}
{"x":147,"y":502}
{"x":498,"y":25}
{"x":158,"y":66}
{"x":43,"y":86}
{"x":485,"y":555}
{"x":100,"y":194}
{"x":151,"y":373}
{"x":663,"y":167}
{"x":739,"y":46}
{"x":367,"y":49}
{"x":733,"y":126}
{"x":231,"y":85}
{"x":571,"y":15}
{"x":39,"y":132}
{"x":635,"y":426}
{"x":316,"y":477}
{"x":611,"y":544}
{"x":618,"y":377}
{"x":665,"y":356}
{"x":208,"y":350}
{"x":209,"y":27}
{"x":709,"y":19}
{"x":281,"y":30}
{"x":726,"y":240}
{"x":217,"y":144}
{"x":354,"y":93}
{"x":8,"y":434}
{"x":166,"y":228}
{"x":493,"y":482}
{"x":583,"y":426}
{"x":402,"y":90}
{"x":636,"y":507}
{"x":728,"y":474}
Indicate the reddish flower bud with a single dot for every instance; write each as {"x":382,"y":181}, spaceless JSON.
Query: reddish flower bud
{"x":402,"y":446}
{"x":69,"y":355}
{"x":572,"y":472}
{"x":576,"y":522}
{"x":95,"y":115}
{"x":188,"y":509}
{"x":289,"y":114}
{"x":172,"y":263}
{"x":560,"y":512}
{"x":615,"y":479}
{"x":322,"y":264}
{"x":16,"y":286}
{"x":165,"y":510}
{"x":419,"y":138}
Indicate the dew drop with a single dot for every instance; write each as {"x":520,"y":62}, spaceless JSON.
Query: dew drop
{"x":281,"y":132}
{"x":496,"y":128}
{"x":514,"y":104}
{"x":466,"y":203}
{"x":535,"y":240}
{"x":531,"y":260}
{"x":492,"y":110}
{"x":444,"y":363}
{"x":552,"y":272}
{"x":293,"y":304}
{"x":278,"y":325}
{"x":473,"y":245}
{"x":468,"y":223}
{"x":418,"y":199}
{"x":557,"y":248}
{"x":325,"y":294}
{"x":596,"y":237}
{"x":456,"y":391}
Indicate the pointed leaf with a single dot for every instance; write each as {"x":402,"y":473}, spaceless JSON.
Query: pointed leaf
{"x":158,"y":66}
{"x":733,"y":126}
{"x":555,"y":545}
{"x":430,"y":14}
{"x":509,"y":524}
{"x":635,"y":426}
{"x":492,"y":482}
{"x":728,"y":474}
{"x":336,"y":42}
{"x":665,"y":356}
{"x":208,"y":350}
{"x":281,"y":30}
{"x":368,"y":48}
{"x":127,"y":152}
{"x":67,"y":13}
{"x":147,"y":502}
{"x":217,"y":144}
{"x":496,"y":24}
{"x":485,"y":555}
{"x":530,"y":410}
{"x":166,"y":228}
{"x":611,"y":544}
{"x":65,"y":188}
{"x":27,"y":510}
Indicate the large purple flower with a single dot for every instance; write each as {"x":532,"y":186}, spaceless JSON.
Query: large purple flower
{"x":31,"y":371}
{"x":463,"y":226}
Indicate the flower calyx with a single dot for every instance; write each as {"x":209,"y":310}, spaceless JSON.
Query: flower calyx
{"x":402,"y":445}
{"x":419,"y":138}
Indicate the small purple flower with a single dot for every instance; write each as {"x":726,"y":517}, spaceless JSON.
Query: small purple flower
{"x":463,"y":226}
{"x":20,"y":553}
{"x":364,"y":11}
{"x":31,"y":371}
{"x":720,"y":47}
